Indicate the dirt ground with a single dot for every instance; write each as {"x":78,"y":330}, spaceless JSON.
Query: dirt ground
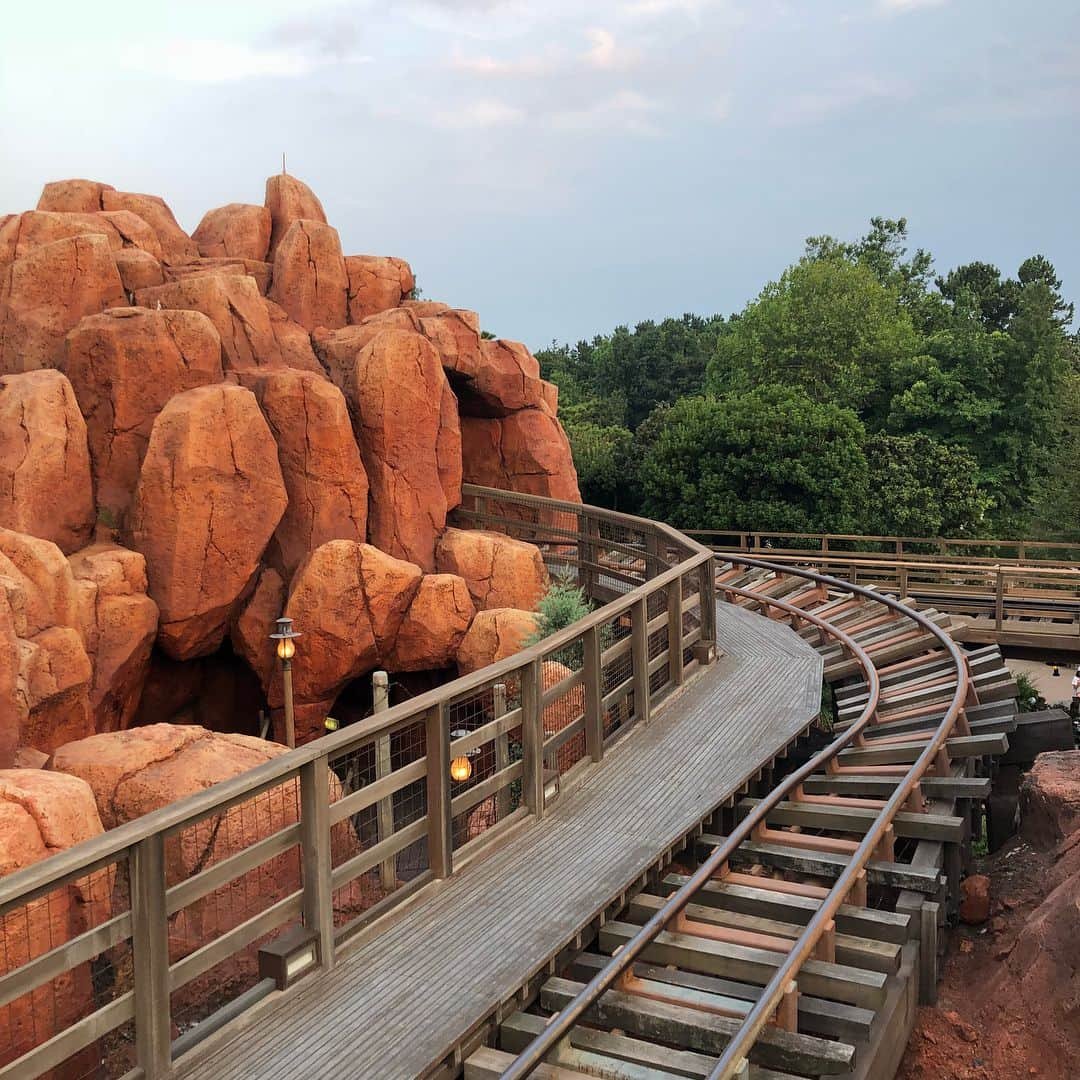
{"x":991,"y":1021}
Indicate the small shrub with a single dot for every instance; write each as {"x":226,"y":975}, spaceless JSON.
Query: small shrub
{"x":561,"y":606}
{"x":1027,"y":696}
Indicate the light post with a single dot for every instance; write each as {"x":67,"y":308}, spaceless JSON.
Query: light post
{"x":286,"y":650}
{"x":461,"y":768}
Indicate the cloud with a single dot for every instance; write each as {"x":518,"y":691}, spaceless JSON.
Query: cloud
{"x":490,"y":66}
{"x":605,"y":54}
{"x":626,"y":112}
{"x":478,"y":115}
{"x":669,"y":7}
{"x":212,"y":61}
{"x":901,"y":7}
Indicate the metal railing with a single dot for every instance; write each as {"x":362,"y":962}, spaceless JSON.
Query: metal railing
{"x":851,"y":880}
{"x":324,"y":839}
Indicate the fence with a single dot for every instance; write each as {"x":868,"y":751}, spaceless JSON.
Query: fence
{"x":123,"y":952}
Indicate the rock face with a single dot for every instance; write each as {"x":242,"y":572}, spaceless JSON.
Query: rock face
{"x":156,"y":213}
{"x":354,"y":598}
{"x":309,"y":280}
{"x":44,"y":464}
{"x":210,"y":495}
{"x":22,"y":233}
{"x":499,"y":571}
{"x":43,"y":813}
{"x":125,"y":365}
{"x":376,"y":284}
{"x":435,"y":624}
{"x":494,"y":635}
{"x":324,"y":476}
{"x":118,"y":623}
{"x":80,"y":196}
{"x":395,"y":392}
{"x":289,"y":200}
{"x":239,"y":230}
{"x":1050,"y":798}
{"x":132,"y":773}
{"x":45,"y":293}
{"x":250,"y":633}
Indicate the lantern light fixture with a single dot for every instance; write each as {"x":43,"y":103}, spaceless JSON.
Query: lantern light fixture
{"x":461,"y":767}
{"x":285,"y":638}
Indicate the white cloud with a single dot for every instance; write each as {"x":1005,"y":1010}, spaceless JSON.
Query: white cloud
{"x":478,"y":115}
{"x":493,"y":67}
{"x":212,"y":61}
{"x":626,"y":112}
{"x":606,"y":54}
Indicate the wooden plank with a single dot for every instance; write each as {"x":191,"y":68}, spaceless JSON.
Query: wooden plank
{"x":150,"y":948}
{"x":639,"y":638}
{"x":488,"y":1064}
{"x":1037,"y":733}
{"x":532,"y":740}
{"x":315,"y":853}
{"x":437,"y":819}
{"x":372,"y":793}
{"x":881,"y":787}
{"x":398,"y":841}
{"x":594,"y":716}
{"x":691,"y":1029}
{"x":852,"y":819}
{"x":958,"y":747}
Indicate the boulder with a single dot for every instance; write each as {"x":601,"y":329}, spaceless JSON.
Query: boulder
{"x":293,"y":341}
{"x":250,"y":632}
{"x":309,"y":279}
{"x":526,"y":451}
{"x":41,"y":814}
{"x":349,"y":601}
{"x":200,"y":267}
{"x":118,"y":624}
{"x":13,"y":709}
{"x":1050,"y":799}
{"x":156,"y":213}
{"x":133,"y":773}
{"x":975,"y":899}
{"x":505,"y":379}
{"x":209,"y":497}
{"x":242,"y":316}
{"x":137,"y":269}
{"x":324,"y":476}
{"x":125,"y":365}
{"x":500,"y":572}
{"x":45,"y":293}
{"x":435,"y":624}
{"x":376,"y":284}
{"x":395,"y":392}
{"x":337,"y":349}
{"x":239,"y":230}
{"x":494,"y":635}
{"x":45,"y":487}
{"x":448,"y":448}
{"x":22,"y":233}
{"x":289,"y":200}
{"x":78,"y":196}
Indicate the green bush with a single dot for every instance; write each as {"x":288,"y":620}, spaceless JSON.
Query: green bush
{"x":561,"y":606}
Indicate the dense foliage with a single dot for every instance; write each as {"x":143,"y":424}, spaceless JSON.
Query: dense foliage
{"x":857,"y":392}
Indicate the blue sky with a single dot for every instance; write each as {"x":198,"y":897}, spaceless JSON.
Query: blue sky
{"x":562,"y":167}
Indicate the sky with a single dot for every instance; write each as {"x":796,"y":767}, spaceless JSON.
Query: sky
{"x":564,"y":167}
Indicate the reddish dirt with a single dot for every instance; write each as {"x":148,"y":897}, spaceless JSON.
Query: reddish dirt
{"x":985,"y":1025}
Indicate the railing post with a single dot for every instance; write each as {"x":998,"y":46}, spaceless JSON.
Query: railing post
{"x":653,"y":562}
{"x":502,"y":750}
{"x":675,"y":632}
{"x":903,"y":582}
{"x":532,"y":739}
{"x":588,"y":552}
{"x":707,"y":601}
{"x":440,"y":840}
{"x":594,"y":692}
{"x":380,"y":685}
{"x":999,"y":600}
{"x":316,"y":855}
{"x":150,"y":946}
{"x":639,"y":656}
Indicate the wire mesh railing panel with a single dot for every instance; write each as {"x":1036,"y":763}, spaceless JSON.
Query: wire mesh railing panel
{"x":51,"y":921}
{"x":616,"y":670}
{"x":563,"y":716}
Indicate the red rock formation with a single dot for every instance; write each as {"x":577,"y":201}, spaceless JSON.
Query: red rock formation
{"x":309,"y":280}
{"x":250,"y":633}
{"x":376,"y":283}
{"x":975,"y":899}
{"x":494,"y":635}
{"x":43,"y":813}
{"x":349,"y":600}
{"x":289,"y":200}
{"x":499,"y":571}
{"x":137,"y":269}
{"x":118,"y":623}
{"x":1050,"y":798}
{"x":156,"y":213}
{"x":338,"y":349}
{"x":125,"y":365}
{"x":45,"y":293}
{"x":434,"y":626}
{"x":239,"y":230}
{"x":209,"y":497}
{"x":22,"y":233}
{"x":320,"y":463}
{"x":395,"y":396}
{"x":293,"y":341}
{"x":448,"y":448}
{"x":45,"y":485}
{"x":79,"y":196}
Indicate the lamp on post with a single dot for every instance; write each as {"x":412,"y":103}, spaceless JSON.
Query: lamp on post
{"x":286,"y":650}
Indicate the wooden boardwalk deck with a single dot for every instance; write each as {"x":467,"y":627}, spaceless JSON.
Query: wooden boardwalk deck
{"x":403,"y":999}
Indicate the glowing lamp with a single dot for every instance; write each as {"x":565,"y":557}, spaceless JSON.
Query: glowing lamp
{"x":460,"y":769}
{"x":285,"y":638}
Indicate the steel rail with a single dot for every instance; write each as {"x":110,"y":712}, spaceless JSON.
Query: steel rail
{"x":730,"y":1062}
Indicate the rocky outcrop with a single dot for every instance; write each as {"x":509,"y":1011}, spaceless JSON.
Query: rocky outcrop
{"x":325,"y":481}
{"x":22,"y":233}
{"x":250,"y":633}
{"x":125,"y":366}
{"x":238,"y":230}
{"x":309,"y":279}
{"x":156,"y":213}
{"x":209,"y":497}
{"x":1050,"y":798}
{"x":434,"y":626}
{"x":494,"y":635}
{"x":45,"y":484}
{"x":376,"y":284}
{"x":79,"y":196}
{"x":137,"y":270}
{"x":289,"y":200}
{"x":118,"y":622}
{"x":43,"y":813}
{"x":46,"y":292}
{"x":500,"y":572}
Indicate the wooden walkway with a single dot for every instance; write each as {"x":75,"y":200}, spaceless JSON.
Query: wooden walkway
{"x":403,"y":999}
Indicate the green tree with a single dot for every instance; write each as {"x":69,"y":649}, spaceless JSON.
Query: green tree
{"x":922,"y":487}
{"x":605,"y":463}
{"x":770,"y":459}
